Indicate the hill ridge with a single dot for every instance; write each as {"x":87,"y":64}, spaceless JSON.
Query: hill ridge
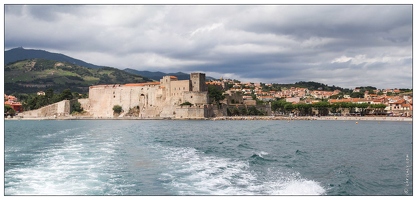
{"x":20,"y":53}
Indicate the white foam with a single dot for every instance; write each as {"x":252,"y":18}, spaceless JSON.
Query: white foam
{"x":302,"y":187}
{"x":58,"y":133}
{"x":195,"y":173}
{"x":64,"y":170}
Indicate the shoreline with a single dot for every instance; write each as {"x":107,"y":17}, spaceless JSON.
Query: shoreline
{"x":328,"y":118}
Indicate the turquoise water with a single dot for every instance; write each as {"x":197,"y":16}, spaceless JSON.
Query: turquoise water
{"x":163,"y":157}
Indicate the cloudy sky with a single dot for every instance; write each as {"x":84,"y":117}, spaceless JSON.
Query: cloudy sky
{"x":342,"y":45}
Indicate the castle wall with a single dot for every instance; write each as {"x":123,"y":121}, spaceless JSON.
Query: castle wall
{"x":235,"y":97}
{"x":184,"y":112}
{"x":58,"y":109}
{"x":178,"y":87}
{"x":85,"y":104}
{"x":103,"y":98}
{"x":196,"y":98}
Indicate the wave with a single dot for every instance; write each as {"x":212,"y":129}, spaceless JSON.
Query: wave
{"x":259,"y":158}
{"x":192,"y":172}
{"x":72,"y":169}
{"x":58,"y":133}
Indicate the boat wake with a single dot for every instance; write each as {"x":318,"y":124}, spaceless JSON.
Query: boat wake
{"x":192,"y":172}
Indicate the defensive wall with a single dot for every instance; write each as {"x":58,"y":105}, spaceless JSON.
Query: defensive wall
{"x":59,"y":109}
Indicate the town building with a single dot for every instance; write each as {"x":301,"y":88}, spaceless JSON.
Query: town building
{"x":13,"y":102}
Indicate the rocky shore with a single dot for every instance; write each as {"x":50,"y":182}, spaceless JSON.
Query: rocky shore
{"x":339,"y":118}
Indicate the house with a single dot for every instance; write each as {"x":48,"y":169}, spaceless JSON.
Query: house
{"x":266,"y":98}
{"x":293,"y":99}
{"x":12,"y":102}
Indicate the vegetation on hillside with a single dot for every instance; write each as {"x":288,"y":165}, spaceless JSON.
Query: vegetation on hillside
{"x":34,"y":101}
{"x":19,"y":54}
{"x":30,"y":76}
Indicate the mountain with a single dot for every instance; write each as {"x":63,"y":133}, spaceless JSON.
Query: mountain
{"x":20,"y":53}
{"x":33,"y":75}
{"x":158,"y":75}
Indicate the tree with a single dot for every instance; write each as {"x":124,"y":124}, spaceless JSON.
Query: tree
{"x":322,"y":107}
{"x":357,"y":95}
{"x":253,"y":111}
{"x":215,"y":94}
{"x":76,"y":107}
{"x":378,"y":108}
{"x":234,"y":111}
{"x":334,"y":96}
{"x":335,"y":107}
{"x":351,"y":107}
{"x":362,"y":107}
{"x":117,"y":109}
{"x":243,"y":111}
{"x":289,"y":107}
{"x":8,"y":110}
{"x":66,"y":95}
{"x":49,"y":93}
{"x":186,"y":104}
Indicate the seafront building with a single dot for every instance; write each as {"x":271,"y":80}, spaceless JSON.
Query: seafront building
{"x":12,"y":101}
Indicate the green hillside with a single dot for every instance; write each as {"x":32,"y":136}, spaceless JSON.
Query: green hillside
{"x":33,"y":75}
{"x":17,"y":54}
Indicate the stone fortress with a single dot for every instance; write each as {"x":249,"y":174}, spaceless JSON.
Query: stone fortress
{"x":153,"y":99}
{"x":168,"y":99}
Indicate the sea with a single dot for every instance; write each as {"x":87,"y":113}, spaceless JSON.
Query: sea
{"x":208,"y":158}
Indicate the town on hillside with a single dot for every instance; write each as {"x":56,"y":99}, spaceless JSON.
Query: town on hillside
{"x":227,"y":97}
{"x":362,"y":101}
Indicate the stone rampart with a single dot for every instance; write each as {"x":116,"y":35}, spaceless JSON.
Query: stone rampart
{"x":59,"y":109}
{"x":190,"y":112}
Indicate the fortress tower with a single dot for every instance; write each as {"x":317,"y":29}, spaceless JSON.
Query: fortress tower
{"x":198,"y":82}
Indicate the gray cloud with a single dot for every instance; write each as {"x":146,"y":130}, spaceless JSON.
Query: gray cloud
{"x":343,"y":45}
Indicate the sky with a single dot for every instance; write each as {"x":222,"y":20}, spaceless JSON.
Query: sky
{"x":341,"y":45}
